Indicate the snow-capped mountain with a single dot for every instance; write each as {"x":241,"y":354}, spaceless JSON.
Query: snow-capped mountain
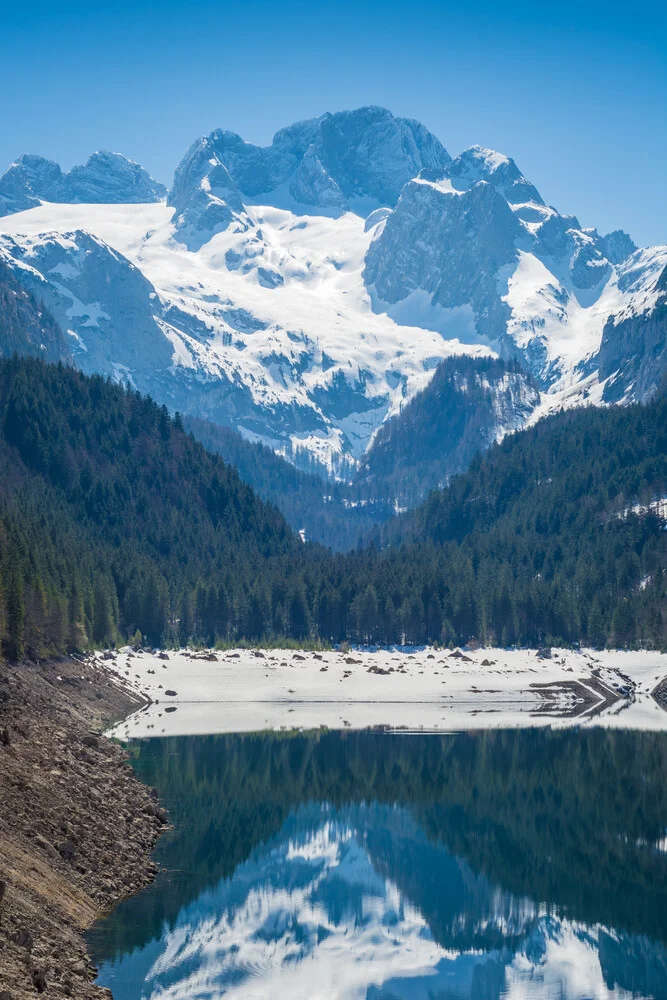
{"x":477,"y":245}
{"x":303,"y":291}
{"x":105,"y":177}
{"x":350,"y":160}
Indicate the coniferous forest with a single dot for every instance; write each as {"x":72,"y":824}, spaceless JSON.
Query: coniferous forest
{"x":114,"y":520}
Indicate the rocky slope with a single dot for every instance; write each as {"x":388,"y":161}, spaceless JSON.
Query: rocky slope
{"x":633,"y":352}
{"x":468,"y":405}
{"x":25,"y":327}
{"x":303,"y":292}
{"x":76,"y":827}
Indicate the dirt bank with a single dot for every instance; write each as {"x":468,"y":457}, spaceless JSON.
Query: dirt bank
{"x":76,"y":827}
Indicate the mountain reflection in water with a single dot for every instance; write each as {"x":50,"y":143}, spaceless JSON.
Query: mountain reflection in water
{"x":509,"y":864}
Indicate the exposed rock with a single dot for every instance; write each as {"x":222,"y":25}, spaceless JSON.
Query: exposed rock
{"x":27,"y":181}
{"x":67,"y":850}
{"x":99,"y":292}
{"x":44,"y":845}
{"x":449,"y":246}
{"x":39,"y":980}
{"x":52,"y":792}
{"x":617,"y":246}
{"x":633,"y":351}
{"x":312,"y":185}
{"x":105,"y":177}
{"x":110,"y":178}
{"x":481,"y":164}
{"x":326,"y":162}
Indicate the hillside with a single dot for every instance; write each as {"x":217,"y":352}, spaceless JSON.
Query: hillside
{"x":468,"y":405}
{"x":325,"y":510}
{"x":26,"y":327}
{"x":558,"y":533}
{"x":112,"y":519}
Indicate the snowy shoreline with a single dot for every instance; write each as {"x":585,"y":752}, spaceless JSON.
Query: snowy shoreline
{"x":188,"y":692}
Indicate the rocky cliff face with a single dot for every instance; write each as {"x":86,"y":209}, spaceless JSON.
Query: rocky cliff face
{"x":328,"y":163}
{"x":99,"y":298}
{"x":449,"y":245}
{"x":105,"y":178}
{"x":477,"y":238}
{"x":633,"y":352}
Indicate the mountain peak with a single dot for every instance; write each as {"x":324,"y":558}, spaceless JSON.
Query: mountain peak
{"x":105,"y":177}
{"x":334,"y":162}
{"x":23,"y":179}
{"x":479,"y":163}
{"x":617,"y":246}
{"x":111,"y":178}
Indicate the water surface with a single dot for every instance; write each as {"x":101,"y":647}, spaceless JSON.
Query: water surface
{"x":522,"y":864}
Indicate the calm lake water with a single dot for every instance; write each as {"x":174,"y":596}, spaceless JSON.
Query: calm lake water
{"x":522,"y":864}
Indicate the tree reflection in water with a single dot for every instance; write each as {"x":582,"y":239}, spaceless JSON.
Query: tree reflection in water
{"x":511,"y":863}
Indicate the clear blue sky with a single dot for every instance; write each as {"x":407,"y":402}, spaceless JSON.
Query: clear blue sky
{"x":576,"y":92}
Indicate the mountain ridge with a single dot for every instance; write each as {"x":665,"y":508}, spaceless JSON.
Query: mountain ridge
{"x":303,"y":292}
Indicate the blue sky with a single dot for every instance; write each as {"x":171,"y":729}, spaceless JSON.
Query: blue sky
{"x":576,"y":92}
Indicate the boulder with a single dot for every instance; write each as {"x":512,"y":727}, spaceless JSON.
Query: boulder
{"x":67,"y":850}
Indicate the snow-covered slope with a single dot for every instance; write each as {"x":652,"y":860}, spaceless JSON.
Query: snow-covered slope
{"x":303,"y":291}
{"x":267,"y":328}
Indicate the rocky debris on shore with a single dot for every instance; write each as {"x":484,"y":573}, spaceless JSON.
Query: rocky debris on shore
{"x":76,"y":826}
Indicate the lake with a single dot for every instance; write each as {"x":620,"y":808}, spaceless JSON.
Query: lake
{"x":519,"y":864}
